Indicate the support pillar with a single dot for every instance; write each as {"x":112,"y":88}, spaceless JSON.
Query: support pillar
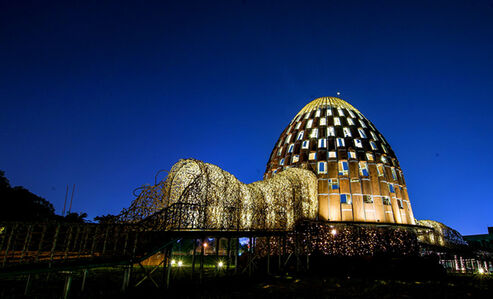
{"x":68,"y":284}
{"x":126,"y":277}
{"x":193,"y":256}
{"x":169,"y":256}
{"x":84,"y":277}
{"x":28,"y":285}
{"x":268,"y":255}
{"x":202,"y":260}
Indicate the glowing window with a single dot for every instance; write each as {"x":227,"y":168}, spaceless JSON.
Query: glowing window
{"x":296,"y":158}
{"x":374,"y":136}
{"x":340,"y":142}
{"x":329,"y":111}
{"x":305,"y":144}
{"x":288,"y":139}
{"x":343,"y":168}
{"x":358,"y":143}
{"x":334,"y":184}
{"x":298,"y":125}
{"x":291,"y":146}
{"x":322,"y":167}
{"x":399,"y":202}
{"x":394,"y":174}
{"x":309,"y":123}
{"x":341,"y":113}
{"x":337,"y":121}
{"x":369,"y":157}
{"x":281,"y":162}
{"x":322,"y":143}
{"x":314,"y":133}
{"x":332,"y":155}
{"x":331,"y":131}
{"x":373,"y":145}
{"x":384,"y":160}
{"x":346,"y":198}
{"x":350,"y":121}
{"x":361,"y":133}
{"x":323,"y":121}
{"x":346,"y":131}
{"x":363,"y":168}
{"x":384,"y":148}
{"x":352,"y":155}
{"x":351,"y":113}
{"x":391,"y":188}
{"x":317,"y":114}
{"x":279,"y":152}
{"x":312,"y":156}
{"x":386,"y":200}
{"x":383,"y":139}
{"x":367,"y":198}
{"x":307,"y":115}
{"x":380,"y":170}
{"x":300,"y":135}
{"x":362,"y":123}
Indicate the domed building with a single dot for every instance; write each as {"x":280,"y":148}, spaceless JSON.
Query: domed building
{"x":359,"y":177}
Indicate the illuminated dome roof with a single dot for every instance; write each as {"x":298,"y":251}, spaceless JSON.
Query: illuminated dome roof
{"x":358,"y":173}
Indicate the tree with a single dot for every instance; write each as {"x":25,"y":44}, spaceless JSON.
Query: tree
{"x":106,"y":219}
{"x":19,"y":204}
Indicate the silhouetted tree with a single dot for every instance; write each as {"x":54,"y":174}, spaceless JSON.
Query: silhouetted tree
{"x":75,"y":217}
{"x":19,"y":204}
{"x":106,"y":219}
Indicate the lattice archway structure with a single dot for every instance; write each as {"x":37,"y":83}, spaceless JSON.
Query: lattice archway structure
{"x":198,"y":195}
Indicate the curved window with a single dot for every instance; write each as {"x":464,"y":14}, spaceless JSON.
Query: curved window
{"x":358,"y":143}
{"x":291,"y":146}
{"x":337,"y":121}
{"x":309,"y":123}
{"x":346,"y":198}
{"x":314,"y":133}
{"x":331,"y":131}
{"x":350,"y":121}
{"x":343,"y":168}
{"x":362,"y":123}
{"x":305,"y":144}
{"x":346,"y":131}
{"x":340,"y":142}
{"x":300,"y":135}
{"x":361,"y":133}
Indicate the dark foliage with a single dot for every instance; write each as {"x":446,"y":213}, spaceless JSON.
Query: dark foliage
{"x":19,"y":204}
{"x":106,"y":219}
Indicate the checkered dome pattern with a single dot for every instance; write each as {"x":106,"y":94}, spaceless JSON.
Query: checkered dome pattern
{"x":358,"y":173}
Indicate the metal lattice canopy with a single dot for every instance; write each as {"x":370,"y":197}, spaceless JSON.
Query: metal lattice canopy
{"x":198,"y":195}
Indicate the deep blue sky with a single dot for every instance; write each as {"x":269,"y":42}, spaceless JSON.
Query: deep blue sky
{"x":103,"y":95}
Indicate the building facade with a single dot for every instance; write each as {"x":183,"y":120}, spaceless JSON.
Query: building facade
{"x":359,"y":177}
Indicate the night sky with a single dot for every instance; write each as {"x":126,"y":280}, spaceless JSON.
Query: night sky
{"x":104,"y":94}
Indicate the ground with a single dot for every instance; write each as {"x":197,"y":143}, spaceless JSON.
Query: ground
{"x":106,"y":283}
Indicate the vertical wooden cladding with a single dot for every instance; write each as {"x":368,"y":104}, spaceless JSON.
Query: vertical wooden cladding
{"x":362,"y":143}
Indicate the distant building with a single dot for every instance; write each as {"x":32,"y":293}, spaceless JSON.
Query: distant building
{"x":483,"y":241}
